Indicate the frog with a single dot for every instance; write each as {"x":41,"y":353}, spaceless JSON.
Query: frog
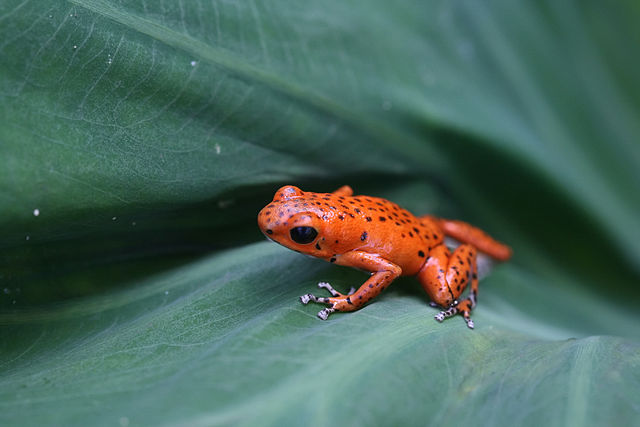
{"x":380,"y":237}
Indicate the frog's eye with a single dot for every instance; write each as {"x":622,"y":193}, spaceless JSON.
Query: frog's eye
{"x":303,"y":235}
{"x":288,"y":192}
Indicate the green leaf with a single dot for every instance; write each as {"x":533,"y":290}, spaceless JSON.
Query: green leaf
{"x":139,"y":141}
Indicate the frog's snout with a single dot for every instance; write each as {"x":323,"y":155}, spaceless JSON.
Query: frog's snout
{"x":265,"y":220}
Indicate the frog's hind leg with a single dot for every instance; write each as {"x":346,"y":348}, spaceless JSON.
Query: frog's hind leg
{"x":467,"y":233}
{"x":445,"y":276}
{"x":345,"y":190}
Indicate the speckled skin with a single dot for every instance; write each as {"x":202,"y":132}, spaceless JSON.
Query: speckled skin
{"x":379,"y":236}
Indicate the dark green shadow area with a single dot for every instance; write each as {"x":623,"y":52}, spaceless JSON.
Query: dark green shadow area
{"x":62,"y":260}
{"x":545,"y":219}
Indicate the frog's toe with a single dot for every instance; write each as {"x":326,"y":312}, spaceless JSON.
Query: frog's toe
{"x":446,"y":313}
{"x":307,"y":298}
{"x":463,"y":308}
{"x":327,"y":286}
{"x":325,"y":312}
{"x":333,"y":292}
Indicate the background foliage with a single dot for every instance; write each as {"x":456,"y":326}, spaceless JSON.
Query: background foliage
{"x":147,"y":135}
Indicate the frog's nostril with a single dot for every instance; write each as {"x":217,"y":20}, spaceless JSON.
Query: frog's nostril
{"x":269,"y":231}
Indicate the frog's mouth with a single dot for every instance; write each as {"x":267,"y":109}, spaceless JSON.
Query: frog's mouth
{"x":271,"y":239}
{"x":267,"y":234}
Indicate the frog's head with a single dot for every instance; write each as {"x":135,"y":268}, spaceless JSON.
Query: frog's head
{"x":292,"y":221}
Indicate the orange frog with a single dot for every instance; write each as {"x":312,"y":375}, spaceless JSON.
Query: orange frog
{"x":380,"y":237}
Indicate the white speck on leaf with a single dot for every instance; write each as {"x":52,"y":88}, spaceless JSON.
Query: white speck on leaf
{"x":194,"y":63}
{"x":218,"y":149}
{"x":27,"y":237}
{"x":36,"y":212}
{"x":114,"y":218}
{"x":166,"y":292}
{"x":223,"y":204}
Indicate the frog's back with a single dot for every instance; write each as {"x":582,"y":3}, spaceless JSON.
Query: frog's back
{"x":378,"y":226}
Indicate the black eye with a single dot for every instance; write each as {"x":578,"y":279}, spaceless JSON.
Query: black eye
{"x":303,"y":235}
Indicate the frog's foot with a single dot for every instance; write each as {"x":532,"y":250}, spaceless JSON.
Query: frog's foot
{"x":451,"y":311}
{"x":464,"y":308}
{"x":333,"y":292}
{"x":325,"y":312}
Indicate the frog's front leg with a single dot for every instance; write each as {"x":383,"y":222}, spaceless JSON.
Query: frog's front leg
{"x":333,"y":292}
{"x":382,"y":271}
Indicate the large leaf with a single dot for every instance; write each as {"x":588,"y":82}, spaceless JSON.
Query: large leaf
{"x":146,"y":136}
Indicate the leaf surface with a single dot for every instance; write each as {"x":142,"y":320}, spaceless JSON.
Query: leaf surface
{"x":138,"y":142}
